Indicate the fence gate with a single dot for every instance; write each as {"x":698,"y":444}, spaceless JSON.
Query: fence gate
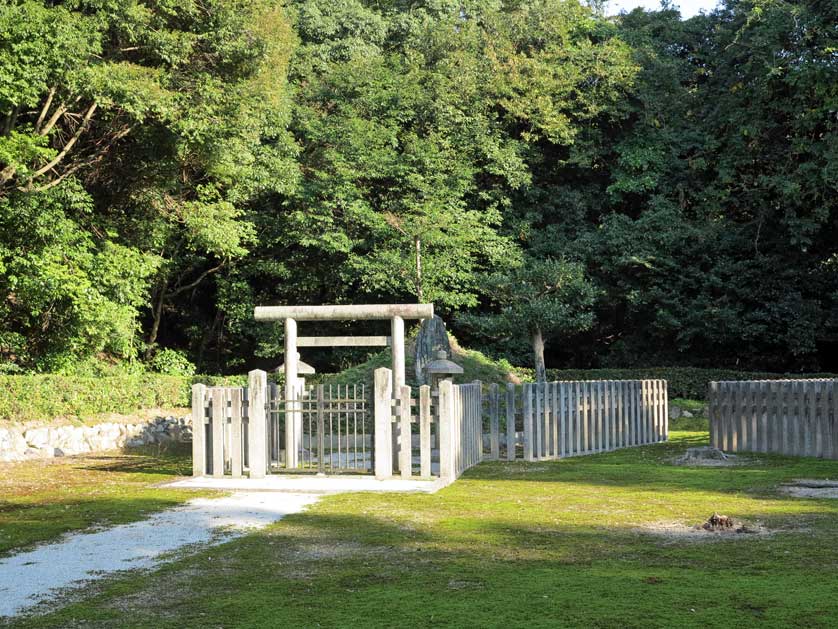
{"x":334,"y":425}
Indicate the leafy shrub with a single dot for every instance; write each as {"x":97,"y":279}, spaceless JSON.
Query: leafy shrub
{"x":684,"y":382}
{"x":172,"y":363}
{"x":43,"y":397}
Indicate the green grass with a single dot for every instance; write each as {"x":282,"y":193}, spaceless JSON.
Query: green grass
{"x":544,"y":544}
{"x":41,"y":500}
{"x":693,"y":406}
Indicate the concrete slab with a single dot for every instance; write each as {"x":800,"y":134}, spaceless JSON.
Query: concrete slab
{"x":309,"y":484}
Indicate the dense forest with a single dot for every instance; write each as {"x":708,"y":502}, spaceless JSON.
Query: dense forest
{"x":629,"y":191}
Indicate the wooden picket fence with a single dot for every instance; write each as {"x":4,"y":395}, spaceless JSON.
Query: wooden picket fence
{"x":792,"y":417}
{"x":449,"y":422}
{"x":553,"y":420}
{"x":229,"y":429}
{"x":417,"y":432}
{"x":461,"y":425}
{"x":248,"y":430}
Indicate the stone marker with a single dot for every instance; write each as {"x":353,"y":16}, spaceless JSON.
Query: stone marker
{"x":432,"y":338}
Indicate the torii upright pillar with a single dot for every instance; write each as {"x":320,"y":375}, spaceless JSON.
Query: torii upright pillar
{"x":293,"y":414}
{"x":396,"y":313}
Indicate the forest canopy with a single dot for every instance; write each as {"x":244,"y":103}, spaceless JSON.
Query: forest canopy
{"x":165,"y":165}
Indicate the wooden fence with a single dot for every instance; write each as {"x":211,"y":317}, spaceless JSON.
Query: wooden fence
{"x":448,"y":422}
{"x":238,"y":430}
{"x":229,"y":426}
{"x":461,"y":425}
{"x":560,"y":419}
{"x":793,"y":417}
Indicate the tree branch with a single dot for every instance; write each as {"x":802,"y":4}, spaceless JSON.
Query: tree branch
{"x":200,"y":279}
{"x":70,"y":143}
{"x":45,"y":109}
{"x":96,"y":157}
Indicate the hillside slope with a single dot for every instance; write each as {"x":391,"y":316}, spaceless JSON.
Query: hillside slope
{"x":476,"y":366}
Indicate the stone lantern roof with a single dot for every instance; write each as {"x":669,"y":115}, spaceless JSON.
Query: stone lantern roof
{"x":442,"y":366}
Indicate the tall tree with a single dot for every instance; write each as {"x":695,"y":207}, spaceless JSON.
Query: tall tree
{"x":540,"y":300}
{"x":146,"y":126}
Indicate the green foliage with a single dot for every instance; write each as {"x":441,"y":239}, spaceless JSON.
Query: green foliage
{"x":68,"y":294}
{"x":172,"y":363}
{"x":137,"y":133}
{"x":538,"y":300}
{"x":44,"y":397}
{"x":197,"y":159}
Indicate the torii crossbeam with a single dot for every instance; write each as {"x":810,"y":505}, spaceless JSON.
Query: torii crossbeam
{"x":396,"y":313}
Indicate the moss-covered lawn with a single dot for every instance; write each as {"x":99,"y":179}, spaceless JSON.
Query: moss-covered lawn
{"x":40,"y":500}
{"x":514,"y":545}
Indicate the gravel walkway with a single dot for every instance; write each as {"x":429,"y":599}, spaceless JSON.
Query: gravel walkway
{"x":33,"y":577}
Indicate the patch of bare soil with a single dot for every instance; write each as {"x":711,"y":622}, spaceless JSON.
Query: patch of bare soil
{"x":714,"y":528}
{"x":706,"y":456}
{"x":811,"y":488}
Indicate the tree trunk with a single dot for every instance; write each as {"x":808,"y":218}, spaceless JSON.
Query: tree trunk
{"x":538,"y":355}
{"x":155,"y":326}
{"x":418,"y":247}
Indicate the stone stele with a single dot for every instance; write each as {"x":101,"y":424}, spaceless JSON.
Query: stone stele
{"x":432,"y":338}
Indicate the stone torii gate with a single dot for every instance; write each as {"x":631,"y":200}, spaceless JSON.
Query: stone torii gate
{"x":396,"y":313}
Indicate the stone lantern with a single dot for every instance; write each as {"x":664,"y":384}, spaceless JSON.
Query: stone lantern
{"x":440,"y":369}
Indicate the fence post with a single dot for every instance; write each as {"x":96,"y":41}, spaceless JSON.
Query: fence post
{"x":425,"y":430}
{"x":236,"y":432}
{"x":321,"y":430}
{"x":257,"y":386}
{"x":494,"y":423}
{"x":217,"y":419}
{"x":406,"y":451}
{"x":528,"y":436}
{"x":447,"y":469}
{"x":510,"y":421}
{"x":199,"y":443}
{"x":383,"y":424}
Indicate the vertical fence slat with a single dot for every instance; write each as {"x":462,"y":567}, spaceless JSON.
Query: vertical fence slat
{"x":555,"y":420}
{"x":822,"y":419}
{"x":199,"y":446}
{"x":528,"y":436}
{"x":833,"y":421}
{"x":494,"y":422}
{"x":218,"y":417}
{"x":406,"y":449}
{"x":537,"y":419}
{"x":510,"y":421}
{"x":236,"y":432}
{"x":425,"y":430}
{"x":606,"y":412}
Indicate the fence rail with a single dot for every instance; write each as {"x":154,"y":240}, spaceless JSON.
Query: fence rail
{"x":792,"y":417}
{"x":238,"y":430}
{"x":560,"y":419}
{"x":531,"y":421}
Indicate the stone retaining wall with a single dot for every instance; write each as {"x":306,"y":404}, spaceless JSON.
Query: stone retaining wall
{"x":21,"y":444}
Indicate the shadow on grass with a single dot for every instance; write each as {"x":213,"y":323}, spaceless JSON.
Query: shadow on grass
{"x":23,"y":525}
{"x":173,"y":460}
{"x":346,"y":569}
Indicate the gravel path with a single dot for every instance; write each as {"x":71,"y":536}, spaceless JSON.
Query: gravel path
{"x":33,"y":577}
